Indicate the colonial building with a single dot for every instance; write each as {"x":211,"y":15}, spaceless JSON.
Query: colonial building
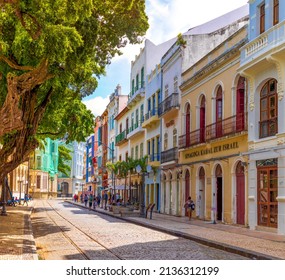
{"x":151,"y":124}
{"x":214,"y":133}
{"x":187,"y":50}
{"x":43,"y":170}
{"x":72,"y":183}
{"x":263,"y":64}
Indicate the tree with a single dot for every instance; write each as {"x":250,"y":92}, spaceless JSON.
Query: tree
{"x":63,"y":158}
{"x":114,"y":167}
{"x":51,"y":55}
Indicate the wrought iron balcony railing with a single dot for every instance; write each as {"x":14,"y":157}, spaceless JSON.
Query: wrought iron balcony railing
{"x":169,"y":155}
{"x":215,"y":130}
{"x":168,"y":104}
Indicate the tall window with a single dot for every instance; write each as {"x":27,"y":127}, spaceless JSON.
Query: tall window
{"x":262,"y":18}
{"x":175,"y":85}
{"x":133,"y":87}
{"x":202,"y":119}
{"x":174,"y":138}
{"x":137,"y":151}
{"x":187,"y":125}
{"x":137,"y":81}
{"x":240,"y":104}
{"x":219,"y":111}
{"x":141,"y":150}
{"x":165,"y":143}
{"x":142,"y":111}
{"x":268,"y":109}
{"x":275,"y":12}
{"x":142,"y":77}
{"x":165,"y":91}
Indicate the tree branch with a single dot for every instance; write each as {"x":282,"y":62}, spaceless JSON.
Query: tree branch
{"x":14,"y":65}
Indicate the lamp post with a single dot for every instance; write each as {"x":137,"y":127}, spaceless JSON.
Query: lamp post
{"x":142,"y":188}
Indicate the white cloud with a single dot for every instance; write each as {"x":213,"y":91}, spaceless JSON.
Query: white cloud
{"x":97,"y":105}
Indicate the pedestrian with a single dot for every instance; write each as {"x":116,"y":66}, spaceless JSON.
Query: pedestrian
{"x":189,"y":206}
{"x":26,"y":198}
{"x":95,"y":202}
{"x":105,"y":199}
{"x":98,"y":200}
{"x":85,"y":200}
{"x":91,"y":198}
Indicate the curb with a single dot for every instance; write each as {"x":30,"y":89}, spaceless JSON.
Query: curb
{"x":218,"y":245}
{"x":29,"y":246}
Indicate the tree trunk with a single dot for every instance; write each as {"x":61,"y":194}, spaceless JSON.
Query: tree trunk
{"x":20,"y":116}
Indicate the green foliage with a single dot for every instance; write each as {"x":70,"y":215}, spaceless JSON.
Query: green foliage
{"x":64,"y":159}
{"x":181,"y":41}
{"x":78,"y":38}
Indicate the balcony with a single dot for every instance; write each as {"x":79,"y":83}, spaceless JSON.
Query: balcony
{"x":134,"y":129}
{"x":136,"y":95}
{"x":193,"y":138}
{"x":272,"y":39}
{"x":150,"y":118}
{"x":169,"y":155}
{"x":121,"y":138}
{"x":169,"y":104}
{"x":225,"y":127}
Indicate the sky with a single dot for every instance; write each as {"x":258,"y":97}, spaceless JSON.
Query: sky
{"x":167,"y":18}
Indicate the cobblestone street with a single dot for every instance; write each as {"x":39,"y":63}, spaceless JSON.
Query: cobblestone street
{"x":64,"y":231}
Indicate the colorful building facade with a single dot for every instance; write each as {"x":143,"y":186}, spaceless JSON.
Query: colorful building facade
{"x":263,"y":64}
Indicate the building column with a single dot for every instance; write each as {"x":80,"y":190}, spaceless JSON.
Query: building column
{"x":281,"y":194}
{"x":252,"y":194}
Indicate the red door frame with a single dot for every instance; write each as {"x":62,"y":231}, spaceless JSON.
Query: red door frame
{"x":219,"y":112}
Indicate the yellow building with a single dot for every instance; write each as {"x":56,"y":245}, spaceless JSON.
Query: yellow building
{"x":214,"y":134}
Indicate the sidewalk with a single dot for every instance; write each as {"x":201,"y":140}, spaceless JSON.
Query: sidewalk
{"x":17,"y":242}
{"x":253,"y":244}
{"x":16,"y":237}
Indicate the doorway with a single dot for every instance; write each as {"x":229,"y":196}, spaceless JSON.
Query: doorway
{"x":240,"y":194}
{"x":219,"y":195}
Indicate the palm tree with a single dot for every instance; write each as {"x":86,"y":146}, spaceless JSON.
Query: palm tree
{"x":114,"y":167}
{"x":132,"y":163}
{"x":124,"y":170}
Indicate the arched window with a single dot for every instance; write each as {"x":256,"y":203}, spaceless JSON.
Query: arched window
{"x":165,"y":145}
{"x":219,"y":111}
{"x":174,"y":138}
{"x":187,"y":125}
{"x":240,"y":104}
{"x":202,"y":119}
{"x":268,"y":109}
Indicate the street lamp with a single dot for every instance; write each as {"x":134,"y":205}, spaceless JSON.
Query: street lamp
{"x":142,"y":189}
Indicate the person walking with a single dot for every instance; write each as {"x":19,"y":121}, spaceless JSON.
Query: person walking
{"x":91,"y":198}
{"x":85,"y":200}
{"x":26,"y":198}
{"x":105,"y":199}
{"x":190,"y":206}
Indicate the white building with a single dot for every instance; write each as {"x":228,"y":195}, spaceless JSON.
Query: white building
{"x":263,"y":64}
